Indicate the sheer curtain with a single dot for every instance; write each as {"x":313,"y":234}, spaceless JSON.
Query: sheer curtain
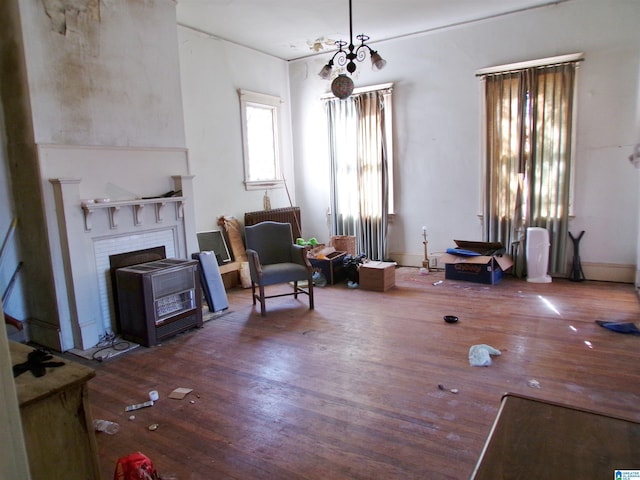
{"x":359,"y":169}
{"x":528,"y":136}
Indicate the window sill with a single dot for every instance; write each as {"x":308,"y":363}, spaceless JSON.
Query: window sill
{"x":264,"y":185}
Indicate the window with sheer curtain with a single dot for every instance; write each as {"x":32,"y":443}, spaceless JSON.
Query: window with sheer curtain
{"x":529,"y":117}
{"x":360,"y":148}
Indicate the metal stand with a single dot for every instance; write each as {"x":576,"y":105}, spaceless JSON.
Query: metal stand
{"x":425,"y":262}
{"x":577,"y":275}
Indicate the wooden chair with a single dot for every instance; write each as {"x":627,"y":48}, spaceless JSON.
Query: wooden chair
{"x":273,"y":259}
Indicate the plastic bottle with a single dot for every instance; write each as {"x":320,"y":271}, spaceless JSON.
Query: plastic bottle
{"x":106,"y":426}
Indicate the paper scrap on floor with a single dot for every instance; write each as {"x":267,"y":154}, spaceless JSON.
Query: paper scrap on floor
{"x":180,"y":393}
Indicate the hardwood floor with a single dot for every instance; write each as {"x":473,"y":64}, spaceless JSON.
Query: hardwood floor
{"x":350,"y":390}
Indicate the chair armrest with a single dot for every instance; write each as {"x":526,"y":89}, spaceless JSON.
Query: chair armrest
{"x":299,"y":255}
{"x":255,"y":267}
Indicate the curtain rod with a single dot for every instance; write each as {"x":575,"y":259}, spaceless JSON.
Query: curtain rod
{"x":542,"y":62}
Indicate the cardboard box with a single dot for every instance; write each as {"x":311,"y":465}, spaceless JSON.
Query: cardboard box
{"x":479,"y":269}
{"x":377,"y":276}
{"x":331,"y":267}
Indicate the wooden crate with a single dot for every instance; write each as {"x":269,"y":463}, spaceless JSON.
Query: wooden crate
{"x":377,"y":276}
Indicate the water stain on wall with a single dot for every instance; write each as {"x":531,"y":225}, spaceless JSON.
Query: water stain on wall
{"x":57,"y":11}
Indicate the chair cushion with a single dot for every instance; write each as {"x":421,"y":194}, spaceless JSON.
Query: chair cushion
{"x":284,"y":272}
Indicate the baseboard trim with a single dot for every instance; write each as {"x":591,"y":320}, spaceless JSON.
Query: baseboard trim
{"x":44,"y":334}
{"x":609,"y":272}
{"x":601,"y":272}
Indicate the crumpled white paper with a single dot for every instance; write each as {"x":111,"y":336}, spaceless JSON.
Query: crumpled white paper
{"x":480,"y":355}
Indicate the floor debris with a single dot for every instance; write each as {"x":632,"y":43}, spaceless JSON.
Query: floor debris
{"x":620,"y":327}
{"x":180,"y":393}
{"x":533,"y":383}
{"x":138,"y":406}
{"x":480,"y":355}
{"x":452,"y":390}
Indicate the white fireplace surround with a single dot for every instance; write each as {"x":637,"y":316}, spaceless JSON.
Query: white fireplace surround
{"x":110,"y":245}
{"x":89,"y":233}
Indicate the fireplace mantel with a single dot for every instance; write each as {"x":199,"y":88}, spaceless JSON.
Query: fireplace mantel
{"x":86,"y":232}
{"x":88,"y":207}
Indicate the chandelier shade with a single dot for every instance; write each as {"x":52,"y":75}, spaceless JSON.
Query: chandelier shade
{"x":347,"y":55}
{"x":377,"y":62}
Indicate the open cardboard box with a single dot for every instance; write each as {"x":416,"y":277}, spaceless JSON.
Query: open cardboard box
{"x":486,"y":267}
{"x":331,"y":265}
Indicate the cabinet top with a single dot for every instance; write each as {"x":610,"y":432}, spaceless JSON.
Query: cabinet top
{"x":31,"y":389}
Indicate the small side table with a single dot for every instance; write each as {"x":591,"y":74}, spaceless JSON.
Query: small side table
{"x":56,"y":419}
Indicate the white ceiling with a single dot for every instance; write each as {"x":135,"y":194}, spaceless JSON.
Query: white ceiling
{"x":288,"y":29}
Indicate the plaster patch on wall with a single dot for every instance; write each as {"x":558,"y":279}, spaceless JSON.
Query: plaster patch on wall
{"x":57,"y":11}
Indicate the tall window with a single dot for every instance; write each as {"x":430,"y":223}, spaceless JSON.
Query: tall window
{"x":261,"y":139}
{"x":529,"y":115}
{"x":361,"y":152}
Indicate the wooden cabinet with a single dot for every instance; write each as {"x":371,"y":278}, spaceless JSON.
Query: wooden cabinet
{"x":56,"y":419}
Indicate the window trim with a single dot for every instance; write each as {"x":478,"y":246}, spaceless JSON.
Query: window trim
{"x":273,"y":103}
{"x":541,"y":62}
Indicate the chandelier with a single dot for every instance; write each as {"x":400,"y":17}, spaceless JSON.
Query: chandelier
{"x":342,"y":85}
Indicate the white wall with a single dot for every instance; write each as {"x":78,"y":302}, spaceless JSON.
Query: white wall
{"x":437,"y":121}
{"x":101,"y":102}
{"x":110,"y":80}
{"x":212,"y":71}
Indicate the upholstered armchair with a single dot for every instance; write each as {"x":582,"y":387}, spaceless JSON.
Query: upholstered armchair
{"x":273,"y":259}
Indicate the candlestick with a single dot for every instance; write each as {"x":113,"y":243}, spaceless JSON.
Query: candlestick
{"x":425,"y":262}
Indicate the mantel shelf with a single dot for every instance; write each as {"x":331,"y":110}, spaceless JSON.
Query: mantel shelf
{"x":137,"y":205}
